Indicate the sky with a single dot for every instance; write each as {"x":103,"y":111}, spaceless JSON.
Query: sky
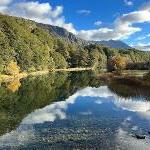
{"x":126,"y":20}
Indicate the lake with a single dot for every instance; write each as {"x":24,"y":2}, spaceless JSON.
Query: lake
{"x":73,"y":111}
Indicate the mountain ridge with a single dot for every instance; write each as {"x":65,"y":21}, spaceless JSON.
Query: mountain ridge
{"x":62,"y":33}
{"x":68,"y":36}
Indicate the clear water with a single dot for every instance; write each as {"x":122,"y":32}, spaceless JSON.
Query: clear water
{"x":73,"y":111}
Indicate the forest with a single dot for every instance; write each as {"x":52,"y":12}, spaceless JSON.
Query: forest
{"x":25,"y":47}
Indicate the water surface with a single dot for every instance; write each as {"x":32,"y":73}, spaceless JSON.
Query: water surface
{"x":73,"y":111}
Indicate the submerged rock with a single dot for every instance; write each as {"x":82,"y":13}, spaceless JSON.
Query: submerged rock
{"x":138,"y":136}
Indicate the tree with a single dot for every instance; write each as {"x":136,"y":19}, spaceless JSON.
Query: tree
{"x":83,"y":58}
{"x":117,"y":62}
{"x":62,"y":47}
{"x":12,"y":68}
{"x":59,"y":60}
{"x":51,"y":65}
{"x":14,"y":85}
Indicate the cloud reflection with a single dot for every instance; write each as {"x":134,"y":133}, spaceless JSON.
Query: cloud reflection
{"x":57,"y":110}
{"x":126,"y":140}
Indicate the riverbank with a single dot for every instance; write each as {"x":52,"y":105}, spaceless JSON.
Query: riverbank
{"x":7,"y":78}
{"x":125,"y":73}
{"x":127,"y":77}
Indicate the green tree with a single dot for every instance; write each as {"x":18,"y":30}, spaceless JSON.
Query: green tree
{"x":59,"y":60}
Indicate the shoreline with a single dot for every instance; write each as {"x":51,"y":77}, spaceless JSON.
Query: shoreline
{"x":104,"y":75}
{"x":7,"y":78}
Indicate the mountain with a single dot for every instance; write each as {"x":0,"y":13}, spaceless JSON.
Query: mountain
{"x":62,"y":33}
{"x":113,"y":44}
{"x":70,"y":37}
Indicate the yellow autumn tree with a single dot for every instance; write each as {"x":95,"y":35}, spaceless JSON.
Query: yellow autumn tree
{"x":12,"y":68}
{"x":14,"y":85}
{"x":117,"y":62}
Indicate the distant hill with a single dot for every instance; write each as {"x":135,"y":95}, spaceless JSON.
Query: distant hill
{"x":113,"y":44}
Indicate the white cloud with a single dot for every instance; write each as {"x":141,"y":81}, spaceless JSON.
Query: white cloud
{"x":84,"y":12}
{"x":143,"y":37}
{"x":5,"y":2}
{"x":40,"y":12}
{"x":97,"y":34}
{"x":148,"y":35}
{"x":123,"y":26}
{"x":142,"y":46}
{"x":4,"y":5}
{"x":128,"y":3}
{"x":98,"y":23}
{"x":35,"y":9}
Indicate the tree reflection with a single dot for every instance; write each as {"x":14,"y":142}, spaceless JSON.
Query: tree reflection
{"x":124,"y":90}
{"x":21,"y":97}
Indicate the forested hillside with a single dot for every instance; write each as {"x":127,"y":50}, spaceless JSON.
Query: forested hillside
{"x":29,"y":47}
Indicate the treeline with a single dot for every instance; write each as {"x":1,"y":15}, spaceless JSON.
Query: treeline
{"x":26,"y":47}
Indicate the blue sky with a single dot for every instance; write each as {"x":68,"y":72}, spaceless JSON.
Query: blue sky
{"x":127,"y":20}
{"x":104,"y":10}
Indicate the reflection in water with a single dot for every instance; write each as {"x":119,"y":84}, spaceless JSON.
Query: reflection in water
{"x":58,"y":109}
{"x":123,"y":89}
{"x":38,"y":92}
{"x":81,"y":106}
{"x":128,"y":142}
{"x":141,"y":107}
{"x":76,"y":111}
{"x":14,"y":85}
